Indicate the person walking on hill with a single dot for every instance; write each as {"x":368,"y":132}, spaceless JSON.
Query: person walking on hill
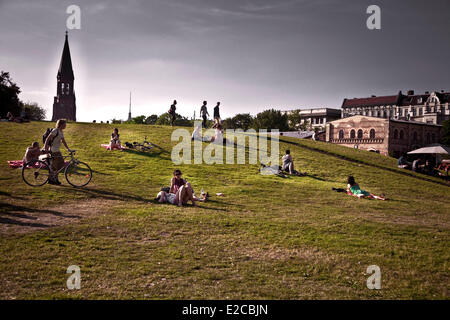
{"x":204,"y":113}
{"x":172,"y":113}
{"x":217,"y":112}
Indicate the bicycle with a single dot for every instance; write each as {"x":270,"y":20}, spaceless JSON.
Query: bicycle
{"x":144,"y":146}
{"x":36,"y":172}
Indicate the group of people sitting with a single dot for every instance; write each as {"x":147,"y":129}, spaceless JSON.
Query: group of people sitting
{"x":11,"y":118}
{"x":180,"y":192}
{"x":418,"y":165}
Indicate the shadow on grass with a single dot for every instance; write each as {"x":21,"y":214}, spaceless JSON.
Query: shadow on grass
{"x":105,"y":194}
{"x":405,"y":173}
{"x":14,"y":211}
{"x":7,"y":194}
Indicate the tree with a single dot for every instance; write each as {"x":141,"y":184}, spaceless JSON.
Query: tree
{"x":294,"y":120}
{"x":138,"y":120}
{"x":164,"y":119}
{"x":9,"y":96}
{"x":270,"y":119}
{"x":445,"y":137}
{"x":151,"y":119}
{"x":33,"y":111}
{"x":305,"y":126}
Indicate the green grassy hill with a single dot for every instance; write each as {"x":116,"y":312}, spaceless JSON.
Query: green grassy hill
{"x":268,"y":238}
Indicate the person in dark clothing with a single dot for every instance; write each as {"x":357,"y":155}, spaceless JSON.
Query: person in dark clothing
{"x":217,"y":112}
{"x":204,"y":113}
{"x":172,"y":113}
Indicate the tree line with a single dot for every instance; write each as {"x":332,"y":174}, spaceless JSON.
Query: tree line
{"x":10,"y":102}
{"x":268,"y":119}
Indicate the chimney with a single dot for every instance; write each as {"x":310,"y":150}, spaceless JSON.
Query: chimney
{"x":410,"y":92}
{"x":427,"y":92}
{"x":373,"y":96}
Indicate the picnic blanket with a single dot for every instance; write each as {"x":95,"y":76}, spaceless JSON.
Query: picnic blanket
{"x":107,"y":147}
{"x":15,"y":164}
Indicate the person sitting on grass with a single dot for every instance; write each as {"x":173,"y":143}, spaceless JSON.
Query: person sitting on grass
{"x":115,"y":140}
{"x":196,"y":134}
{"x":32,"y":153}
{"x":288,"y":164}
{"x":184,"y":194}
{"x":354,"y":190}
{"x":176,"y":182}
{"x":218,"y":135}
{"x":403,"y":162}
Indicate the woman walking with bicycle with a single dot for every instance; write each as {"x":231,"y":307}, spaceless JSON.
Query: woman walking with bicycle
{"x":53,"y":142}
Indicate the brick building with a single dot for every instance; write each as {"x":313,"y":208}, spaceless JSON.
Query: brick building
{"x":64,"y":106}
{"x":428,"y":107}
{"x":386,"y":136}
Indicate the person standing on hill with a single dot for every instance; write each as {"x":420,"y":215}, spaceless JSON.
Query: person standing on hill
{"x":204,"y":113}
{"x":172,"y":113}
{"x":53,"y":142}
{"x":217,"y":112}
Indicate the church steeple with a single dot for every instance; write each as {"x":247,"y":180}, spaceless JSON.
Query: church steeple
{"x":65,"y":70}
{"x":64,"y":103}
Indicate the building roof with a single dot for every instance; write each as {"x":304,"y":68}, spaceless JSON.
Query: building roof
{"x":65,"y":66}
{"x":372,"y":101}
{"x":399,"y":100}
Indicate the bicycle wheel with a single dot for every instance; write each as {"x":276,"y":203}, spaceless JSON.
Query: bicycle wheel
{"x":78,"y":174}
{"x":35,"y":173}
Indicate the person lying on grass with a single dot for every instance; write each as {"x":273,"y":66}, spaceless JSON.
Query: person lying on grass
{"x":288,"y":164}
{"x":32,"y":153}
{"x":354,"y":190}
{"x":184,"y":194}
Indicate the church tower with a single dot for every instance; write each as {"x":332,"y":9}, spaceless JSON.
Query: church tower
{"x":64,"y":103}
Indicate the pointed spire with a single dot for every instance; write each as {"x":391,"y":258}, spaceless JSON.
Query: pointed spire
{"x":129,"y":112}
{"x":65,"y":70}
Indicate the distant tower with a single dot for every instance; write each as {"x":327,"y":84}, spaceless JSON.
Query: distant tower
{"x":64,"y":102}
{"x":129,"y":111}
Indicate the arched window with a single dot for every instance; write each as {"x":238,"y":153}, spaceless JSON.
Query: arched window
{"x":395,"y":134}
{"x":360,"y":134}
{"x":341,"y":134}
{"x":352,"y":134}
{"x":428,"y":138}
{"x":402,"y":135}
{"x":433,"y":138}
{"x":415,"y":136}
{"x":372,"y":134}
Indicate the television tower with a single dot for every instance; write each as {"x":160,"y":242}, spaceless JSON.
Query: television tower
{"x":129,"y":111}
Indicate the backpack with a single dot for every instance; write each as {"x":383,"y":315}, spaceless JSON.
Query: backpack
{"x":46,"y":134}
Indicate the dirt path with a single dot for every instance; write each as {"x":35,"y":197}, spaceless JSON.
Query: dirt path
{"x":19,"y":219}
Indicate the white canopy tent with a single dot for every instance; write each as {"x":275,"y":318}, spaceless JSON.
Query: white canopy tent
{"x":432,"y":149}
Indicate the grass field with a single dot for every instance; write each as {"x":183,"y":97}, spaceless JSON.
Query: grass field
{"x":268,"y":238}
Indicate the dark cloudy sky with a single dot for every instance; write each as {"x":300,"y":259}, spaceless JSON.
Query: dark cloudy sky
{"x":249,"y":54}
